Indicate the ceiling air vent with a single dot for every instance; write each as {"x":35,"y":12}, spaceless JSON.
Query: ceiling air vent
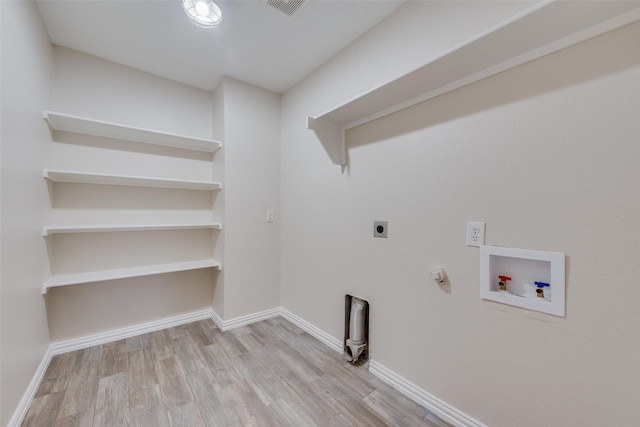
{"x":288,"y":7}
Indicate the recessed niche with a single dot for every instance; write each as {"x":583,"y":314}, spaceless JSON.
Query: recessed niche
{"x":524,"y":278}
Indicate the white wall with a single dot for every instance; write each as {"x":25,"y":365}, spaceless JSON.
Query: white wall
{"x":217,"y":101}
{"x":248,"y":122}
{"x":252,"y":180}
{"x":26,"y":65}
{"x":546,"y":154}
{"x":90,"y":87}
{"x":541,"y":153}
{"x":93,"y":87}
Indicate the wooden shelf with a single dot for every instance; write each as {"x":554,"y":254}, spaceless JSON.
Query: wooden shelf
{"x":86,"y":126}
{"x":124,"y":273}
{"x":126,"y":180}
{"x":541,"y":30}
{"x":48,"y":231}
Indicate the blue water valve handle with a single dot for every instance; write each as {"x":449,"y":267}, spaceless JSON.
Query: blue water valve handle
{"x":540,"y":290}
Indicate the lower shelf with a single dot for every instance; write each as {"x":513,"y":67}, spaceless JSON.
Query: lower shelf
{"x":124,"y":273}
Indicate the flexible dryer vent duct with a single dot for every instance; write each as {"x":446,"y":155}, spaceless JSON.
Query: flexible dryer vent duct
{"x":356,"y":341}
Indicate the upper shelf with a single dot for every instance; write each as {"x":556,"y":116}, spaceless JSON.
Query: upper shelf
{"x":543,"y":29}
{"x":132,"y":181}
{"x":70,"y":123}
{"x":50,"y":230}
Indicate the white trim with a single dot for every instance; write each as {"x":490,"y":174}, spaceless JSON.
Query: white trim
{"x":312,"y":330}
{"x":442,"y":409}
{"x":27,"y":397}
{"x":225,"y":325}
{"x":79,"y":343}
{"x":217,"y":319}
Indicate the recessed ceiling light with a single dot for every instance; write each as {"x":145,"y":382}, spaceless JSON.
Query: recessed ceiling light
{"x":203,"y":13}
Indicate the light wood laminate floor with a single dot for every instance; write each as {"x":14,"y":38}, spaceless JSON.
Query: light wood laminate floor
{"x":270,"y":373}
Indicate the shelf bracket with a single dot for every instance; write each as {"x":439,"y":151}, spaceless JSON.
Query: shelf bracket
{"x":331,"y":135}
{"x":542,"y":29}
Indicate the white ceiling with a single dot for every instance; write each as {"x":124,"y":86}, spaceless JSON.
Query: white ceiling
{"x":254,"y":43}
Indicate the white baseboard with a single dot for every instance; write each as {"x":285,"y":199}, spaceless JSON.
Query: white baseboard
{"x":225,"y":325}
{"x":73,"y":344}
{"x":312,"y":330}
{"x":217,"y":320}
{"x":27,"y":397}
{"x":443,"y":410}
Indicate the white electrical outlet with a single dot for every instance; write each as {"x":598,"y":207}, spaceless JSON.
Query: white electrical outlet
{"x":475,"y":233}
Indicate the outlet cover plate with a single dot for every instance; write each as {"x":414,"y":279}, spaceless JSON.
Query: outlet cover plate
{"x":380,"y":229}
{"x":475,"y":233}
